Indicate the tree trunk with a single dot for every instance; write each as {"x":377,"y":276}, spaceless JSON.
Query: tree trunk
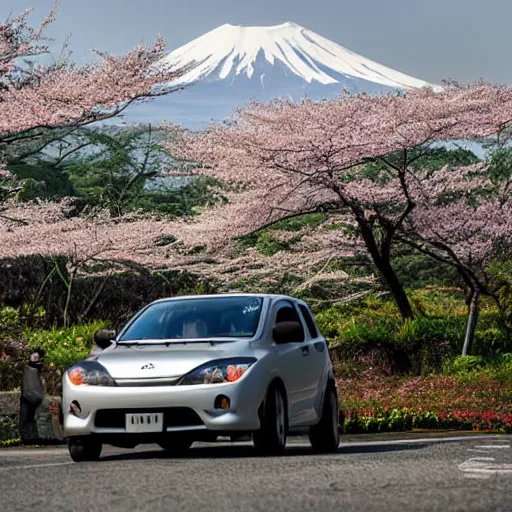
{"x":474,"y":308}
{"x":68,"y":296}
{"x":92,"y":302}
{"x":382,"y":260}
{"x":396,"y":288}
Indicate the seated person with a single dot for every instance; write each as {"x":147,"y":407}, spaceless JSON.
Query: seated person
{"x":194,"y":327}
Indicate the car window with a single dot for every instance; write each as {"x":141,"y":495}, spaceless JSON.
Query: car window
{"x":308,"y":317}
{"x":223,"y":317}
{"x":287,"y":313}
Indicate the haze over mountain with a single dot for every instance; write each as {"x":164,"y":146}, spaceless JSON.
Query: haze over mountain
{"x":233,"y":64}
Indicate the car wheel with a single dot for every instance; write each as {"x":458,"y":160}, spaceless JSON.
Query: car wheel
{"x":271,"y":438}
{"x":325,"y":435}
{"x":83,"y":449}
{"x":176,"y":446}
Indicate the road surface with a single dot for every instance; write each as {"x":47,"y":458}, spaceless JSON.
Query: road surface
{"x":379,"y":474}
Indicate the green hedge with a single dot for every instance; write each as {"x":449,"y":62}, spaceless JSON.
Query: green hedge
{"x":9,"y":434}
{"x":401,"y":420}
{"x":65,"y":346}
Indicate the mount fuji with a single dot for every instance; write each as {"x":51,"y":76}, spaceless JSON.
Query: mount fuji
{"x":233,"y":64}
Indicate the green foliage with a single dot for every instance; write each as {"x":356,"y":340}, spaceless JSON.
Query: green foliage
{"x":400,"y":420}
{"x":64,"y":347}
{"x":125,"y":170}
{"x":416,"y":270}
{"x":373,"y":326}
{"x":13,"y":348}
{"x":501,"y":279}
{"x":43,"y":181}
{"x":436,"y":158}
{"x":120,"y":169}
{"x":500,"y":167}
{"x":422,"y":158}
{"x":14,"y":441}
{"x":20,"y":333}
{"x":185,"y":200}
{"x":9,"y":434}
{"x":464,"y":365}
{"x":311,"y":220}
{"x":268,"y":245}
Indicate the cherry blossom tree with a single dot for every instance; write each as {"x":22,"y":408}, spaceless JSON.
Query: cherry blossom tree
{"x":289,"y":159}
{"x":36,"y":98}
{"x":463,"y":218}
{"x":149,"y":240}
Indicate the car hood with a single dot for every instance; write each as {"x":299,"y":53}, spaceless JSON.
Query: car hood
{"x":161,"y":361}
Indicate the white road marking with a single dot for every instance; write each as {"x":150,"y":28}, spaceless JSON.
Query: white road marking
{"x":484,"y":466}
{"x":494,"y":446}
{"x":477,"y":476}
{"x":476,"y":460}
{"x":27,"y":466}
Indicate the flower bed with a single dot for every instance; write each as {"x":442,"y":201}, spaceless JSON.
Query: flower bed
{"x":477,"y":401}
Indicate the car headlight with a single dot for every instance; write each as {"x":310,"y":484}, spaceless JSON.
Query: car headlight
{"x":219,"y":372}
{"x":90,"y":373}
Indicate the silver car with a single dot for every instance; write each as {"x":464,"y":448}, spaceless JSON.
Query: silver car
{"x":195,"y":368}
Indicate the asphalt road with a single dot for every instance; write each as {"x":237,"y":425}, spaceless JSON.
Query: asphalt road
{"x":473,"y":474}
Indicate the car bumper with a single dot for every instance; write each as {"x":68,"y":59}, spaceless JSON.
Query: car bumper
{"x":185,"y":408}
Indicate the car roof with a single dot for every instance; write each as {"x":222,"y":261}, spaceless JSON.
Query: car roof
{"x":232,"y":294}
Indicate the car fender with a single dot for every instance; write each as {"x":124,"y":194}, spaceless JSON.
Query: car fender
{"x":273,"y":379}
{"x":327,"y":379}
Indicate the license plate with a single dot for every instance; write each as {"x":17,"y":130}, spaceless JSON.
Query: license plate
{"x":145,"y":422}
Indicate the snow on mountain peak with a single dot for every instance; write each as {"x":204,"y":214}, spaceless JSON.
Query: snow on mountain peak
{"x":234,"y":49}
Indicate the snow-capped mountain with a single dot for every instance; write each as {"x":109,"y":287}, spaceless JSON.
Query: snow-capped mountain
{"x":233,"y":64}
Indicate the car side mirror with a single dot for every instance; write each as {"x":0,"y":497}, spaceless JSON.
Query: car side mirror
{"x":104,"y":337}
{"x":288,"y":332}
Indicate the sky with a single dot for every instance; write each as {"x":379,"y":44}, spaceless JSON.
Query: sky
{"x":461,"y":39}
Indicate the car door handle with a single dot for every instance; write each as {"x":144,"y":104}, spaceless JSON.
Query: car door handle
{"x":305,"y":350}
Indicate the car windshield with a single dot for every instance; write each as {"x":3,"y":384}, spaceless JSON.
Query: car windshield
{"x":202,"y":318}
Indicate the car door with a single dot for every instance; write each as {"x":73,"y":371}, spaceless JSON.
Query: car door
{"x":319,"y":362}
{"x":296,"y":367}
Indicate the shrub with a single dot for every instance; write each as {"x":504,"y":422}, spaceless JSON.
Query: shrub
{"x":8,"y":430}
{"x":464,"y":365}
{"x":13,"y":358}
{"x":373,"y":327}
{"x":394,"y":420}
{"x":430,"y":342}
{"x":14,"y":350}
{"x":63,"y":347}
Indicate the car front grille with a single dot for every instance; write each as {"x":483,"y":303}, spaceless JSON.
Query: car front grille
{"x":173,"y":417}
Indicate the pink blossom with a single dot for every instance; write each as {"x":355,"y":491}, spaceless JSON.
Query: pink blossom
{"x":36,"y":96}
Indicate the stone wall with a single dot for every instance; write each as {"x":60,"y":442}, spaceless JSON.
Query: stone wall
{"x":49,"y":429}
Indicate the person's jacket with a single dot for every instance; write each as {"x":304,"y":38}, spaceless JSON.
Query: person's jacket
{"x":32,"y":390}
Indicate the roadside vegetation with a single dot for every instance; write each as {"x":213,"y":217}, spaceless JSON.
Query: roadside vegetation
{"x":392,"y":376}
{"x":395,"y":376}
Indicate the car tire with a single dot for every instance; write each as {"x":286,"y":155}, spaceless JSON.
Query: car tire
{"x":325,"y":435}
{"x":82,"y":449}
{"x":176,"y":446}
{"x":270,"y":439}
